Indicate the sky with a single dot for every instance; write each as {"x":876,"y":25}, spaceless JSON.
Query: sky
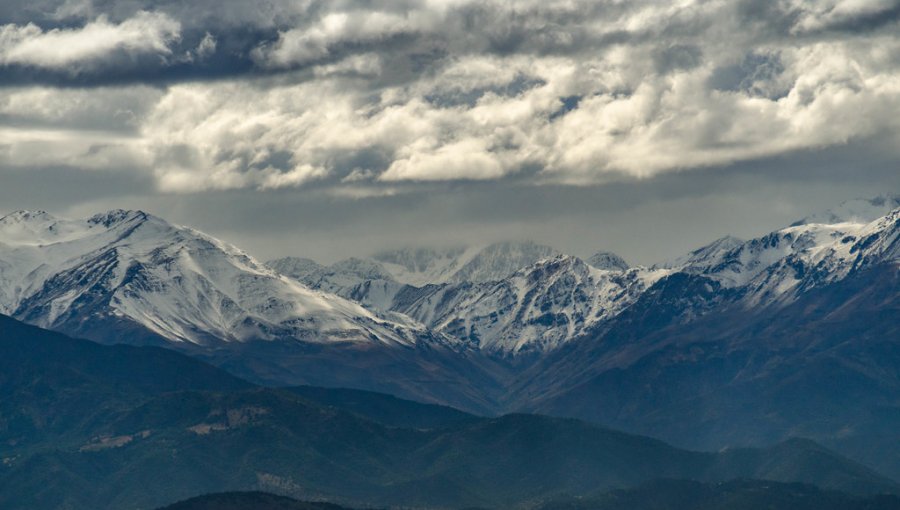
{"x":335,"y":128}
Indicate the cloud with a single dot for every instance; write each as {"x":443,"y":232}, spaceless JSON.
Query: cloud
{"x":305,"y":45}
{"x":373,"y":96}
{"x":111,"y":111}
{"x":851,"y":15}
{"x":463,"y":159}
{"x":97,"y":44}
{"x":207,"y":46}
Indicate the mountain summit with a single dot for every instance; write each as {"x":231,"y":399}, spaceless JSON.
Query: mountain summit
{"x":860,"y":210}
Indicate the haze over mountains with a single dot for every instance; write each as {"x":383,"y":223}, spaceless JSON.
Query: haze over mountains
{"x":736,"y":343}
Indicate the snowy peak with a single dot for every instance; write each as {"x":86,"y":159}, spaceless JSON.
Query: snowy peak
{"x":25,"y":226}
{"x":608,"y":261}
{"x":423,"y":266}
{"x":38,"y":228}
{"x":536,"y":309}
{"x":820,"y":248}
{"x":182,"y":285}
{"x":363,"y":269}
{"x":545,"y":304}
{"x":364,"y":281}
{"x":705,"y":256}
{"x":24,"y":216}
{"x":860,"y":210}
{"x":294,"y":267}
{"x":499,"y":260}
{"x":119,"y":216}
{"x":877,"y":242}
{"x":780,"y":266}
{"x":419,"y":260}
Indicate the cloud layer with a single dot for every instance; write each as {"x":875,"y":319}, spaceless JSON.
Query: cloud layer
{"x":97,"y":45}
{"x":369,"y":98}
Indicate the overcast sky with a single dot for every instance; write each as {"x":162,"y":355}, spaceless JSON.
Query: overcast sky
{"x":337,"y":127}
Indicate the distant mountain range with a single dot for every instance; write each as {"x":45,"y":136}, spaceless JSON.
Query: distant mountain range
{"x":514,"y":299}
{"x":87,"y":426}
{"x":735,"y":343}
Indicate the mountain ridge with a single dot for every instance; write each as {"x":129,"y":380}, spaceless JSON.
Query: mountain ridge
{"x":177,"y":283}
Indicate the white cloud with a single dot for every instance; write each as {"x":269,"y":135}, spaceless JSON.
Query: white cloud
{"x":463,"y":159}
{"x":90,"y":46}
{"x":309,"y":44}
{"x":110,"y":110}
{"x":207,"y":46}
{"x":813,"y":16}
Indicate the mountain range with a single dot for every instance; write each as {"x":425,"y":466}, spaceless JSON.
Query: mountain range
{"x":737,"y":343}
{"x":88,"y":426}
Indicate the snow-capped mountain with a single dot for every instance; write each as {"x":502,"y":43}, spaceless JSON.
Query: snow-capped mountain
{"x":500,"y":260}
{"x":129,"y":267}
{"x":793,"y":332}
{"x":778,"y":266}
{"x":547,"y":303}
{"x":505,"y":298}
{"x":705,"y":256}
{"x":375,"y":282}
{"x":536,"y":309}
{"x":362,"y":280}
{"x":295,"y":267}
{"x":860,"y":210}
{"x":423,"y":266}
{"x":608,"y":261}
